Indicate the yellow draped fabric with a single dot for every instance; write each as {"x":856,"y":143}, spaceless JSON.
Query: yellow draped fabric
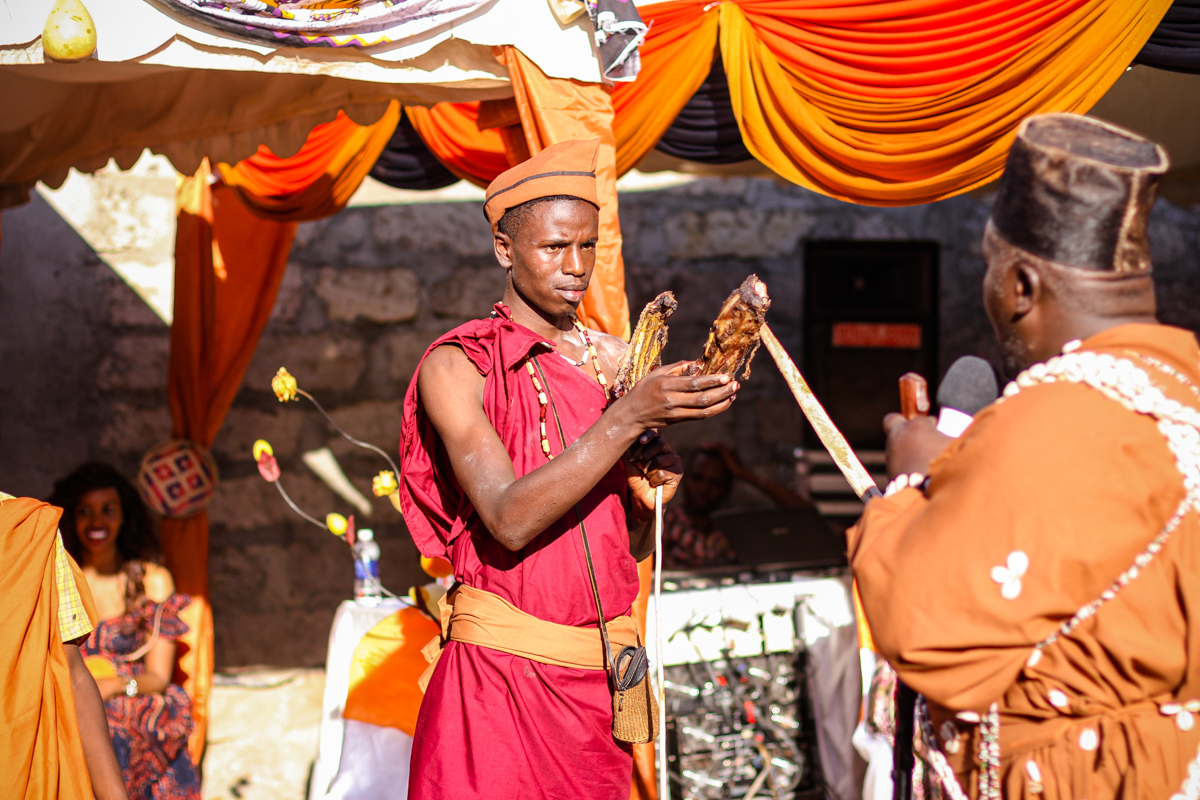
{"x":881,"y":102}
{"x":384,"y":670}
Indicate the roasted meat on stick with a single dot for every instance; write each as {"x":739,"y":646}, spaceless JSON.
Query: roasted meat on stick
{"x":645,"y":348}
{"x":643,"y":355}
{"x":735,"y":334}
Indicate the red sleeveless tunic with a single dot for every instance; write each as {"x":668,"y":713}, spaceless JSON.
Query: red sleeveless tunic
{"x":491,"y":724}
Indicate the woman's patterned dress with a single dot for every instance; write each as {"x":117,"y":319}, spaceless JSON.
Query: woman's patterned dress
{"x":149,"y":731}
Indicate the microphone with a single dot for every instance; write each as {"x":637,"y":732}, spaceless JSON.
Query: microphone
{"x":969,"y":385}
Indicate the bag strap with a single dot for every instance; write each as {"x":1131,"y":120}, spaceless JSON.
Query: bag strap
{"x":148,"y":646}
{"x":587,"y":551}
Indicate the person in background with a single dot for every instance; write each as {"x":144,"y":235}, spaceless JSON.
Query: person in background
{"x":690,"y":540}
{"x":108,"y":530}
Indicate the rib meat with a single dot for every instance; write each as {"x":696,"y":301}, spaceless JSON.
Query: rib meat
{"x":645,"y":348}
{"x":733,"y":338}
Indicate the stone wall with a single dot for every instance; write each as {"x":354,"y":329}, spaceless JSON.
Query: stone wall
{"x":83,"y":359}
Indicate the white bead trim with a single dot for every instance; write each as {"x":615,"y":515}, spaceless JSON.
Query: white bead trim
{"x":1122,"y":381}
{"x":1190,"y":790}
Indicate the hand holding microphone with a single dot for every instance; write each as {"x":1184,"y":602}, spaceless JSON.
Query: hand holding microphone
{"x":914,"y":439}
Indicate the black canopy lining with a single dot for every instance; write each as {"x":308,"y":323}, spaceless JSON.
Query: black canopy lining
{"x":706,"y":130}
{"x":407,"y":163}
{"x":1175,"y":43}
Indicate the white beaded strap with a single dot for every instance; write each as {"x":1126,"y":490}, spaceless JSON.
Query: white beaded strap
{"x":1122,"y":381}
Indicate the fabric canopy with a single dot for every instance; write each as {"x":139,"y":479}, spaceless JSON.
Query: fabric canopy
{"x":1175,"y":43}
{"x":451,"y":131}
{"x":181,"y":89}
{"x":879,"y":102}
{"x":883,"y":102}
{"x":334,"y":23}
{"x":319,"y":180}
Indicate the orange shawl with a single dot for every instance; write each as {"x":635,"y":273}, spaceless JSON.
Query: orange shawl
{"x":39,"y":735}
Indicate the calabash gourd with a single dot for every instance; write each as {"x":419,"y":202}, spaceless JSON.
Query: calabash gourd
{"x":69,"y":33}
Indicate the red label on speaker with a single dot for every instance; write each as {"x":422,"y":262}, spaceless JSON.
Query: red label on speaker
{"x":897,"y":336}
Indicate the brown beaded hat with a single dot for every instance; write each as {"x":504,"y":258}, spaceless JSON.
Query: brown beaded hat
{"x":566,"y":168}
{"x":1078,"y":192}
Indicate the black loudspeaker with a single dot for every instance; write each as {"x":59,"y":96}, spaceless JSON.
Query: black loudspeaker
{"x":870,"y":315}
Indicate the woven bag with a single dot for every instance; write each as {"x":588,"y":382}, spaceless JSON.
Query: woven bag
{"x":635,"y":709}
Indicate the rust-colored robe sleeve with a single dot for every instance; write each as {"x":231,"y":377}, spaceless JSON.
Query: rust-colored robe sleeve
{"x":1061,"y":473}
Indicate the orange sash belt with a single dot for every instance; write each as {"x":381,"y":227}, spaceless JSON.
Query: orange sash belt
{"x":474,"y":616}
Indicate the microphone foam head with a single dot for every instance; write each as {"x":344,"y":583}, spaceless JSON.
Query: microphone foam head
{"x":969,"y":385}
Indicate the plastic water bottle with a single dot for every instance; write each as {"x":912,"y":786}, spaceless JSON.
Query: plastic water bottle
{"x":367,"y":589}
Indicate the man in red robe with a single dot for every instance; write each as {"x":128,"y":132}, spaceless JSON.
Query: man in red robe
{"x":509,"y":447}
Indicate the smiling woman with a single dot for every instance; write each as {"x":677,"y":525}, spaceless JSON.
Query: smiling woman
{"x":131,"y":654}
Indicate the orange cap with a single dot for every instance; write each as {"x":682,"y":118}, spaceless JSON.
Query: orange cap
{"x":565,"y":168}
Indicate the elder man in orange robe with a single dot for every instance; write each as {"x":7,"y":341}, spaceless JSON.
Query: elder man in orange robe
{"x":53,"y":733}
{"x":1041,"y":587}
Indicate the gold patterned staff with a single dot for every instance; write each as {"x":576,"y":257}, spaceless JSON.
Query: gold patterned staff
{"x":858,"y":477}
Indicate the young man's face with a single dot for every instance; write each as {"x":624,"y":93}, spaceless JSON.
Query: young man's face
{"x":552,"y":257}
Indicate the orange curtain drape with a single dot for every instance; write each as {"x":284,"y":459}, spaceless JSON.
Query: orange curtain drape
{"x":451,"y":132}
{"x":882,"y":102}
{"x":676,"y":58}
{"x":228,"y":265}
{"x":878,"y":102}
{"x":321,"y":178}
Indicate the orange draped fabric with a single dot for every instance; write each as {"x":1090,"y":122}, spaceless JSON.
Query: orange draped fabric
{"x":645,"y":784}
{"x":879,"y":102}
{"x":320,"y":179}
{"x":228,"y":265}
{"x":676,"y":58}
{"x":451,"y":132}
{"x":882,"y":102}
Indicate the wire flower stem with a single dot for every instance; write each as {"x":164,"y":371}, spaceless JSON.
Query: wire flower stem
{"x":296,"y":508}
{"x":338,"y":428}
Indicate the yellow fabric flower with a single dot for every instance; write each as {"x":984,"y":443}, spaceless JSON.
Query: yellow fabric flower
{"x":284,"y":385}
{"x":384,"y":483}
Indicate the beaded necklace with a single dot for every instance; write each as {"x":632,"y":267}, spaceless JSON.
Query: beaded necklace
{"x":543,"y":401}
{"x":1167,"y":369}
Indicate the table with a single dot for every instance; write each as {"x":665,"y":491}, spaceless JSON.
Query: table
{"x":356,"y":760}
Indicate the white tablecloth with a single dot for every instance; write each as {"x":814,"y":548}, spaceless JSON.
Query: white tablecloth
{"x":356,"y":760}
